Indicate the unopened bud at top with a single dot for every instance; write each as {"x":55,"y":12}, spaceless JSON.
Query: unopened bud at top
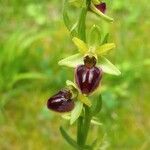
{"x":101,"y":7}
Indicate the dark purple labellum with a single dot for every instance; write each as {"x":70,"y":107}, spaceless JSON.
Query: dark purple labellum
{"x":101,"y":7}
{"x":61,"y":102}
{"x":87,"y":79}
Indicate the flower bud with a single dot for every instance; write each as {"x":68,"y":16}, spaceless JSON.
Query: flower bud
{"x":61,"y":102}
{"x":88,"y":76}
{"x":101,"y":7}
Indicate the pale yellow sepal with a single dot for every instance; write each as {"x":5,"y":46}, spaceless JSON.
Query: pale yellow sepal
{"x":108,"y":67}
{"x":105,"y":48}
{"x":72,"y":61}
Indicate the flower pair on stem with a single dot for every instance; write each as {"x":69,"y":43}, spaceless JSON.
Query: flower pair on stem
{"x":89,"y":66}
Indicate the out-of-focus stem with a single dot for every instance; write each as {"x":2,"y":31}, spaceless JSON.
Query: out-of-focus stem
{"x":86,"y":124}
{"x":79,"y":130}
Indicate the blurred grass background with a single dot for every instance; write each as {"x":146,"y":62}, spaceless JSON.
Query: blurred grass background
{"x":33,"y":39}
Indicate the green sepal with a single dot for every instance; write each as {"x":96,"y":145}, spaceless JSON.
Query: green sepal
{"x":72,"y":61}
{"x":94,"y":37}
{"x":81,"y":45}
{"x":99,"y":13}
{"x":108,"y":67}
{"x":75,"y":113}
{"x":81,"y":97}
{"x":73,"y":89}
{"x":103,"y":49}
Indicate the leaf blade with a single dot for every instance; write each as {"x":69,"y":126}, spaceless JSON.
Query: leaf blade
{"x":68,"y":138}
{"x":72,"y":142}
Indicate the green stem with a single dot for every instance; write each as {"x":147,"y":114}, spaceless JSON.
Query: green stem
{"x":83,"y":122}
{"x":83,"y":125}
{"x":79,"y":130}
{"x":82,"y":20}
{"x":86,"y":125}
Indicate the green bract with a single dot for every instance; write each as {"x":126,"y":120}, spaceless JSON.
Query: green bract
{"x":76,"y":112}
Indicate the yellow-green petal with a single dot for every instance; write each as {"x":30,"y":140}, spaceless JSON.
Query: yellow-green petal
{"x":105,"y":48}
{"x":82,"y":47}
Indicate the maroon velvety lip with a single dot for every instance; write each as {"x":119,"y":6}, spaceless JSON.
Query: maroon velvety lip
{"x":61,"y":102}
{"x":87,"y":79}
{"x":101,"y":7}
